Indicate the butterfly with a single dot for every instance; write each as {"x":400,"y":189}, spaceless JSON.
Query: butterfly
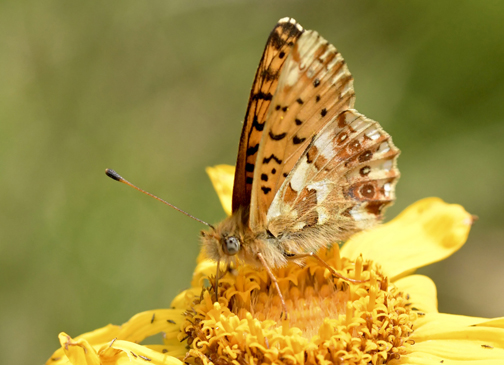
{"x":311,"y":170}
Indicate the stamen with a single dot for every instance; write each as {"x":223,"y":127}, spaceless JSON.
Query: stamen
{"x":365,"y":323}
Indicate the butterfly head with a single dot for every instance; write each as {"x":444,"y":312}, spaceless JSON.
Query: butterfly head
{"x":221,"y":245}
{"x":225,"y":240}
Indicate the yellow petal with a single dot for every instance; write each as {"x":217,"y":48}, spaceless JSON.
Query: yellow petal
{"x":222,"y":177}
{"x":181,"y":300}
{"x":100,"y":335}
{"x":496,"y":322}
{"x":116,"y":344}
{"x":94,"y":338}
{"x":78,"y":351}
{"x":422,"y":292}
{"x":441,"y":336}
{"x":438,"y":354}
{"x":149,"y":323}
{"x":131,"y":353}
{"x":451,"y":326}
{"x":426,"y":232}
{"x":203,"y":270}
{"x":178,"y":350}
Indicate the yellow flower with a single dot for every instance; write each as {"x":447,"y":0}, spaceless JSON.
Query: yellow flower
{"x":392,"y":318}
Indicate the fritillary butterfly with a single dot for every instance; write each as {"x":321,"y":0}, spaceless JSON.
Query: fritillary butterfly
{"x":310,"y":170}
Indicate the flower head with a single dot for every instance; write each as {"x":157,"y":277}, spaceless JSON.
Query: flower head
{"x":391,"y":318}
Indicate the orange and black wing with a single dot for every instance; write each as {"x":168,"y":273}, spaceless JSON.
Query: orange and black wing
{"x":280,"y":43}
{"x":314,"y":87}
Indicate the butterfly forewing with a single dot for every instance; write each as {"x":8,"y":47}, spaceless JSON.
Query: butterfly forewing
{"x":341,"y":184}
{"x":278,"y":47}
{"x":314,"y":87}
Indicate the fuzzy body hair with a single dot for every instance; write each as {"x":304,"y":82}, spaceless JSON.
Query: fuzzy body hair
{"x":251,"y":243}
{"x":277,"y":248}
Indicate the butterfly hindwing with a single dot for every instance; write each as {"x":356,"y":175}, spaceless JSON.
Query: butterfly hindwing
{"x":340,"y":185}
{"x":314,"y":87}
{"x":278,"y":47}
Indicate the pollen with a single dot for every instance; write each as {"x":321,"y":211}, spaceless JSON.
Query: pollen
{"x":330,"y":321}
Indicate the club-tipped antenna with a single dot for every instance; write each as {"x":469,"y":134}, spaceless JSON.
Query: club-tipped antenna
{"x":114,"y":175}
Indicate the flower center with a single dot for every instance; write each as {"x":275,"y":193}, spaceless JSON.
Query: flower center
{"x":330,"y":320}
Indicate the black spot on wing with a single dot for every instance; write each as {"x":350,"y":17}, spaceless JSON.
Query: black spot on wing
{"x":265,"y":189}
{"x":252,"y":150}
{"x":272,"y":157}
{"x":276,"y":40}
{"x":262,"y":96}
{"x":297,"y":140}
{"x":309,"y":158}
{"x":249,"y":167}
{"x":255,"y":124}
{"x":277,"y":137}
{"x":298,"y":122}
{"x":365,"y":170}
{"x":366,"y":156}
{"x":264,"y":177}
{"x":269,"y":75}
{"x":249,"y":180}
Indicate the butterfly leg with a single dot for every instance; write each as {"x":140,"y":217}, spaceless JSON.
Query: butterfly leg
{"x":298,"y":256}
{"x":217,"y":273}
{"x":275,"y":282}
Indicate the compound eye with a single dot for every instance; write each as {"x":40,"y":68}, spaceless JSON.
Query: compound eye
{"x":231,"y":246}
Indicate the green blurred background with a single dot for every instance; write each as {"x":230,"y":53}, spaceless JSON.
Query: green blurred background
{"x":157,"y":90}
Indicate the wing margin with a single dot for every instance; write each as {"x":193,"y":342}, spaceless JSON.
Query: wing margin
{"x":281,"y":40}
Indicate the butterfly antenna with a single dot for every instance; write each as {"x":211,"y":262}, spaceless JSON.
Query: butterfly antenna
{"x":114,"y":175}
